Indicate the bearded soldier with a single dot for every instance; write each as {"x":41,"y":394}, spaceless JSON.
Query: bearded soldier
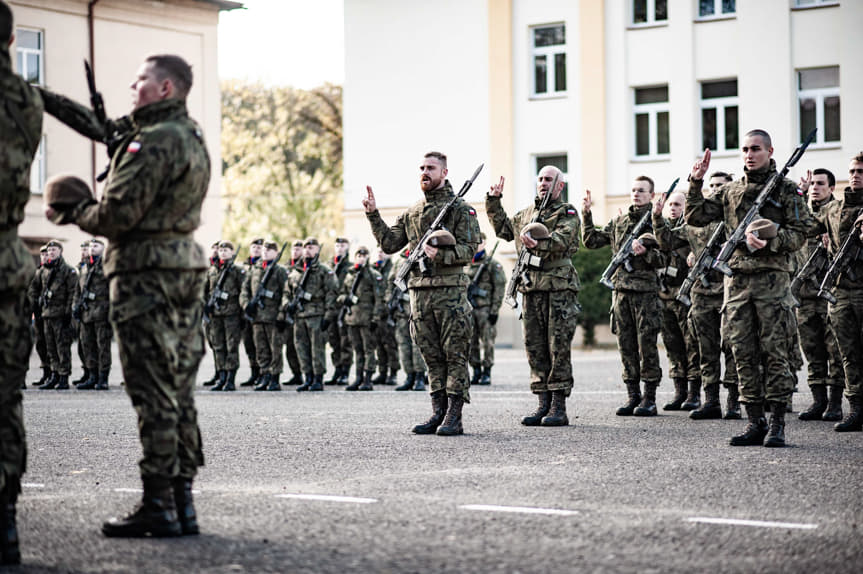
{"x":362,"y":295}
{"x":92,"y":311}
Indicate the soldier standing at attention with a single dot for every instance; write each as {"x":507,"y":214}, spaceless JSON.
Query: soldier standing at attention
{"x":149,"y":210}
{"x":214,"y":261}
{"x":385,"y":338}
{"x":288,"y":335}
{"x":38,"y":323}
{"x":256,"y":248}
{"x":339,"y":336}
{"x":226,"y":315}
{"x":550,"y":302}
{"x":757,"y":318}
{"x":20,"y":132}
{"x":365,"y":305}
{"x":636,"y":309}
{"x":440,"y":313}
{"x":78,"y":328}
{"x":409,"y":351}
{"x":487,"y":299}
{"x":96,"y":334}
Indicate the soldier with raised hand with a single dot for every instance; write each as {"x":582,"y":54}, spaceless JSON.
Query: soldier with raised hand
{"x":490,"y":289}
{"x":339,"y":336}
{"x":91,"y":297}
{"x":291,"y":355}
{"x":385,"y":337}
{"x":440,"y":313}
{"x":149,"y":210}
{"x":225,"y":315}
{"x":256,"y":249}
{"x":409,"y":352}
{"x":636,"y":308}
{"x":757,"y":314}
{"x":365,"y":305}
{"x":20,"y":132}
{"x":38,"y":323}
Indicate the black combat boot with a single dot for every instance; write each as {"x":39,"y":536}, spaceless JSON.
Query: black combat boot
{"x":46,"y":374}
{"x":9,"y":550}
{"x":223,"y":380}
{"x":534,"y":419}
{"x":62,"y":383}
{"x":263,"y":382}
{"x":186,"y":514}
{"x":306,"y":385}
{"x":253,"y":379}
{"x":367,"y":382}
{"x":102,"y":384}
{"x":84,"y":378}
{"x":229,"y":384}
{"x":382,"y":376}
{"x":90,"y":383}
{"x":296,"y":379}
{"x":155,"y":515}
{"x":420,"y":381}
{"x":343,"y":375}
{"x":834,"y":404}
{"x":819,"y":404}
{"x":712,"y":408}
{"x":755,"y":431}
{"x":439,"y":409}
{"x":693,"y":399}
{"x":732,"y":402}
{"x":51,"y":383}
{"x":451,"y":424}
{"x":776,"y":428}
{"x":556,"y":416}
{"x":273,"y":384}
{"x":337,"y":374}
{"x":393,"y":379}
{"x":647,"y":407}
{"x":679,"y":395}
{"x":408,"y":384}
{"x":485,"y":377}
{"x":317,"y":383}
{"x":212,"y":381}
{"x":477,"y":371}
{"x":853,"y":421}
{"x":633,"y":391}
{"x":358,"y":381}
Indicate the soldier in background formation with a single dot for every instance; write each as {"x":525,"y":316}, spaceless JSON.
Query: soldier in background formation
{"x":398,"y":313}
{"x":385,"y":336}
{"x":91,"y":311}
{"x":82,"y":264}
{"x":360,"y":304}
{"x":288,"y":334}
{"x":38,"y":323}
{"x":224,"y":317}
{"x":214,"y":259}
{"x":339,"y":336}
{"x":256,"y":249}
{"x":485,"y":294}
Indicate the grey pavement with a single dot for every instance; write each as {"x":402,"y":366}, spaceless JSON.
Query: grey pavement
{"x":335,"y":482}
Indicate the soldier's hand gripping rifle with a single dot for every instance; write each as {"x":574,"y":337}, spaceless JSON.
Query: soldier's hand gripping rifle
{"x":817,"y":262}
{"x":214,"y":303}
{"x":257,"y":301}
{"x":473,"y":290}
{"x":417,"y":256}
{"x":848,"y":253}
{"x":301,"y":295}
{"x":624,"y":254}
{"x":81,"y":303}
{"x":739,"y":234}
{"x":698,"y":271}
{"x":351,"y":298}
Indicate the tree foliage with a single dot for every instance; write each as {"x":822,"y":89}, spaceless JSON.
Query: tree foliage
{"x":595,"y":299}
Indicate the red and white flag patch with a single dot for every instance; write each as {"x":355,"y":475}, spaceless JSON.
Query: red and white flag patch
{"x":133,"y":147}
{"x":570,"y":211}
{"x":472,"y":211}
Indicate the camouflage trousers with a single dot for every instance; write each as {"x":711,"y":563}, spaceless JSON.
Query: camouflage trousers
{"x":678,"y":337}
{"x":387,"y":347}
{"x":411,"y":358}
{"x":311,"y":343}
{"x":340,"y":343}
{"x":39,"y":338}
{"x":225,"y":334}
{"x":363,"y":343}
{"x":548,"y":324}
{"x":482,"y":342}
{"x":249,"y":342}
{"x":442,"y":327}
{"x":58,"y":341}
{"x":758,"y":325}
{"x":705,"y":319}
{"x":15,"y":346}
{"x":635,"y":319}
{"x":846,"y":316}
{"x":79,"y":337}
{"x":268,"y":346}
{"x":96,"y":340}
{"x":818,"y":341}
{"x":291,"y":351}
{"x":156,"y":316}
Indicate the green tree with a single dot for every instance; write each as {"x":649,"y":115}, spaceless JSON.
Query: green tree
{"x":595,"y":299}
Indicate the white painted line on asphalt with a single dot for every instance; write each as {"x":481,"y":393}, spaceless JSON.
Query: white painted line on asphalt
{"x":32,"y":485}
{"x":519,"y":509}
{"x":759,"y":523}
{"x":128,"y":490}
{"x":328,"y":498}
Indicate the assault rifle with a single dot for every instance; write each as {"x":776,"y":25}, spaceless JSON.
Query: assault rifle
{"x":526,"y":259}
{"x":351,"y":298}
{"x":47,"y":294}
{"x":739,"y":234}
{"x":394,"y":303}
{"x":473,"y":290}
{"x":624,"y":254}
{"x":816,"y":263}
{"x":848,"y":253}
{"x":417,"y":256}
{"x":214,"y":303}
{"x":257,"y":299}
{"x":702,"y":265}
{"x":113,"y":132}
{"x":81,"y":304}
{"x":301,"y":295}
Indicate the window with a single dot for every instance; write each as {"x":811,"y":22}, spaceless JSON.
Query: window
{"x":30,"y":59}
{"x":561,"y":162}
{"x":719,"y":116}
{"x":549,"y":60}
{"x":716,"y":8}
{"x":651,"y":122}
{"x":818,"y":96}
{"x":649,"y":11}
{"x":812,"y":3}
{"x":37,"y":170}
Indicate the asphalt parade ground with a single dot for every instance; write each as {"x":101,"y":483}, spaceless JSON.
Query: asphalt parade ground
{"x":336,"y":482}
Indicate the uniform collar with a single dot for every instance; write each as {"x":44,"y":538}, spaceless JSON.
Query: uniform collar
{"x":170,"y":109}
{"x":444,"y":192}
{"x":760,"y":175}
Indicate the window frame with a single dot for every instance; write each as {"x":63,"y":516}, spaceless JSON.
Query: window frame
{"x":40,"y":52}
{"x":38,"y":170}
{"x":818,"y":94}
{"x":718,"y":14}
{"x":652,"y":110}
{"x":550,"y":71}
{"x":719,"y":104}
{"x":816,"y":4}
{"x":651,"y":15}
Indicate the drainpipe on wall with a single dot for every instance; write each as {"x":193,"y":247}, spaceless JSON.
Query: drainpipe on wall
{"x":92,"y":45}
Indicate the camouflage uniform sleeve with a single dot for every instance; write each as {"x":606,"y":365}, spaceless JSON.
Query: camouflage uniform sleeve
{"x":498,"y":280}
{"x":331,"y":291}
{"x":564,"y":237}
{"x":798,"y":221}
{"x":391,"y":239}
{"x":71,"y":288}
{"x":466,"y":231}
{"x":701,"y":211}
{"x":497,"y":217}
{"x":595,"y":238}
{"x":77,"y":116}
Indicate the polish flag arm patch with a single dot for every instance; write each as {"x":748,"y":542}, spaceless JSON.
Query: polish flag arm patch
{"x":134,"y":147}
{"x":570,"y":211}
{"x":472,"y":211}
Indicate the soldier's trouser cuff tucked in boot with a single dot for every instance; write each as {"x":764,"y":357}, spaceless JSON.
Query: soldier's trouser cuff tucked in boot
{"x":155,"y":515}
{"x":439,"y":408}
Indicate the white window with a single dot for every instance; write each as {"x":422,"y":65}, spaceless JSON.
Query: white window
{"x":719,"y":116}
{"x":651,"y":112}
{"x":558,"y":160}
{"x":30,"y":57}
{"x":37,"y":170}
{"x":818,"y":96}
{"x":808,"y":3}
{"x":649,"y":11}
{"x":549,"y":60}
{"x":716,"y":8}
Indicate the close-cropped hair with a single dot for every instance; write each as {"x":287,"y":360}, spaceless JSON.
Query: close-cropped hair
{"x":441,"y":157}
{"x":5,"y":23}
{"x":724,"y":175}
{"x":858,"y":158}
{"x":831,"y":179}
{"x":647,"y":179}
{"x":763,"y":135}
{"x":175,"y":69}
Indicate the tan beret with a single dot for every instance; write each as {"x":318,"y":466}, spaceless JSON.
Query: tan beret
{"x":64,"y":190}
{"x":536,"y":231}
{"x":648,"y":240}
{"x":762,"y":229}
{"x":441,"y":238}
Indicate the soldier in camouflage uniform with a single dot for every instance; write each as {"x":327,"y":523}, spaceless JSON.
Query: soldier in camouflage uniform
{"x":291,"y":355}
{"x":225,"y":317}
{"x":550,"y":300}
{"x":440,"y":313}
{"x":267,"y":323}
{"x":361,"y":305}
{"x":150,"y":207}
{"x":339,"y":336}
{"x":20,"y":132}
{"x":214,"y":260}
{"x":54,"y":291}
{"x":313,"y":310}
{"x":38,"y":323}
{"x":486,"y":300}
{"x":78,"y":328}
{"x":387,"y":347}
{"x":256,"y":249}
{"x":400,"y":314}
{"x":757,"y":311}
{"x":91,"y":300}
{"x":636,"y":308}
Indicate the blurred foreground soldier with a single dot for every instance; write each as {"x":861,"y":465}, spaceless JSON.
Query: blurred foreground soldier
{"x":490,"y":284}
{"x":149,"y":210}
{"x":20,"y":132}
{"x":38,"y":323}
{"x":339,"y":336}
{"x":256,"y":249}
{"x":757,"y":311}
{"x":360,"y":304}
{"x":226,"y":327}
{"x":291,"y":355}
{"x":550,"y":300}
{"x":385,"y":337}
{"x":214,"y":261}
{"x":440,"y":313}
{"x":80,"y":269}
{"x":400,"y":314}
{"x":91,"y":309}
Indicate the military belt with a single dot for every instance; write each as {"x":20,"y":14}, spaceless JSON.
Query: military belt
{"x":555,"y":263}
{"x":451,"y":270}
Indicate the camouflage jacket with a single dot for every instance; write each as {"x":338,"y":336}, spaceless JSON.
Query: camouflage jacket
{"x":698,"y":238}
{"x":556,"y":272}
{"x":92,"y":297}
{"x":320,"y":290}
{"x":19,"y":102}
{"x":644,"y":276}
{"x":228,"y":300}
{"x":402,"y":306}
{"x":674,"y":244}
{"x":271,"y":293}
{"x":53,"y":289}
{"x":492,"y":282}
{"x":384,"y":267}
{"x":809,"y":288}
{"x":836,"y":219}
{"x":733,"y":200}
{"x":447,"y":268}
{"x":369,"y":303}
